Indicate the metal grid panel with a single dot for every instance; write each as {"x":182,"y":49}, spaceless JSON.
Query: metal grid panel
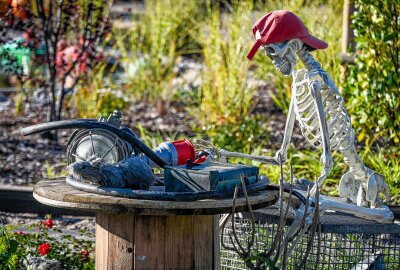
{"x":337,"y":250}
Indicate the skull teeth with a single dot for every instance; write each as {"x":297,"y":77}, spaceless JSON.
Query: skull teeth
{"x":283,"y":67}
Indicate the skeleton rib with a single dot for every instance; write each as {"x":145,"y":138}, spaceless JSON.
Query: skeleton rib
{"x":310,"y":116}
{"x":306,"y":107}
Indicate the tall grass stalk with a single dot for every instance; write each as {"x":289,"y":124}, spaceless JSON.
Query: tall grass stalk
{"x":225,"y":96}
{"x":151,"y":48}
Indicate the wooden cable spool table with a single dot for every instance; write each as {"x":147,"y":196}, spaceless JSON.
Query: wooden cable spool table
{"x":151,"y":234}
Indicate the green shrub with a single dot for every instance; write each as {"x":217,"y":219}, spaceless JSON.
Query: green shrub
{"x":98,"y":98}
{"x":153,"y":139}
{"x":240,"y":136}
{"x":373,"y":86}
{"x":16,"y":246}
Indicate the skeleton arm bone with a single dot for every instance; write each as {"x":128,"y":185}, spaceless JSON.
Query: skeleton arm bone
{"x":291,"y":118}
{"x":315,"y":87}
{"x":281,"y":154}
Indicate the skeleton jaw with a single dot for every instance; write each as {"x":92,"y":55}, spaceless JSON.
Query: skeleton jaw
{"x":284,"y":66}
{"x":283,"y":55}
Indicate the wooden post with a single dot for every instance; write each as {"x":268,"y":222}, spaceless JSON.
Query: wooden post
{"x":348,"y":43}
{"x":127,"y":241}
{"x":114,"y":241}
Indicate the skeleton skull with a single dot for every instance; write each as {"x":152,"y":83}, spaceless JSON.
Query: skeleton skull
{"x":283,"y":54}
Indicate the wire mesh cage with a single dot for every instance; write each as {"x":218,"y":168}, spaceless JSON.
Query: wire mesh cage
{"x":346,"y":242}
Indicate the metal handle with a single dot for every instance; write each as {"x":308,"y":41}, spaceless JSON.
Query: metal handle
{"x":267,"y":160}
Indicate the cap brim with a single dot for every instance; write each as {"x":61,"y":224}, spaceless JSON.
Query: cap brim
{"x":254,"y":49}
{"x":315,"y":42}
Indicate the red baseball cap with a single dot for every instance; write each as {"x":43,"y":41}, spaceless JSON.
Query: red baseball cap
{"x":282,"y":25}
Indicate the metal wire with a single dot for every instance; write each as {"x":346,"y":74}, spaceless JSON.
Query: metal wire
{"x":337,"y":250}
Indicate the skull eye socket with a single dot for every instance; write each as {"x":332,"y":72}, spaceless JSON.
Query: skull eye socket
{"x":270,"y":50}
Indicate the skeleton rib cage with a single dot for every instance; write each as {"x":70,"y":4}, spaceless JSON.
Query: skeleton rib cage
{"x":338,"y":121}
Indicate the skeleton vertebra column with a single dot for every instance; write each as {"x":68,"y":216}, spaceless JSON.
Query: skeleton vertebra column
{"x":307,"y":59}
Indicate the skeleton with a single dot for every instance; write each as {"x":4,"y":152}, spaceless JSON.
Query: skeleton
{"x":320,"y":110}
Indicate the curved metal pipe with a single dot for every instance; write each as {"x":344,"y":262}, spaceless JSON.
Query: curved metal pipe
{"x":88,"y":124}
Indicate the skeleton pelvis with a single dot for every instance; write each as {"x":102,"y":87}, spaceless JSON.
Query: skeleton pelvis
{"x":363,"y":192}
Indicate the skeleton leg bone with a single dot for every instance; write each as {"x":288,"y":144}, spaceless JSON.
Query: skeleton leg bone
{"x":361,"y":184}
{"x":381,"y":215}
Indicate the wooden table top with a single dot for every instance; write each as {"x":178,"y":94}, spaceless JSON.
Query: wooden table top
{"x":58,"y":193}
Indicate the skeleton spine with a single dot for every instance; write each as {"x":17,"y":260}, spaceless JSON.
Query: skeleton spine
{"x":309,"y":61}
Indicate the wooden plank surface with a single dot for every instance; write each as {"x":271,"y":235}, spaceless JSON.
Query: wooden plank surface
{"x":149,"y":242}
{"x":179,"y":242}
{"x":102,"y":240}
{"x":59,"y":194}
{"x":203,"y":239}
{"x":120,"y":241}
{"x":216,"y":245}
{"x":127,"y":241}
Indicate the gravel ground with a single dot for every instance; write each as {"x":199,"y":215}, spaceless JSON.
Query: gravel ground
{"x":69,"y":225}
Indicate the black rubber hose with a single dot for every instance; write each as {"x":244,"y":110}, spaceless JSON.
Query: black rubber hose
{"x":287,"y":190}
{"x":88,"y":124}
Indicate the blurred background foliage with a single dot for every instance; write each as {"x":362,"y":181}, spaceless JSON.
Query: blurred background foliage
{"x":225,"y":98}
{"x":373,"y":85}
{"x":153,"y":44}
{"x":224,"y":105}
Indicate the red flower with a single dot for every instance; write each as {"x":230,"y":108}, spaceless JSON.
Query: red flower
{"x":48,"y":223}
{"x":44,"y":248}
{"x":20,"y":232}
{"x":84,"y":255}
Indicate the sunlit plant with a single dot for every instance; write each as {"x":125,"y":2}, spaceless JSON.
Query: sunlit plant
{"x":20,"y":248}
